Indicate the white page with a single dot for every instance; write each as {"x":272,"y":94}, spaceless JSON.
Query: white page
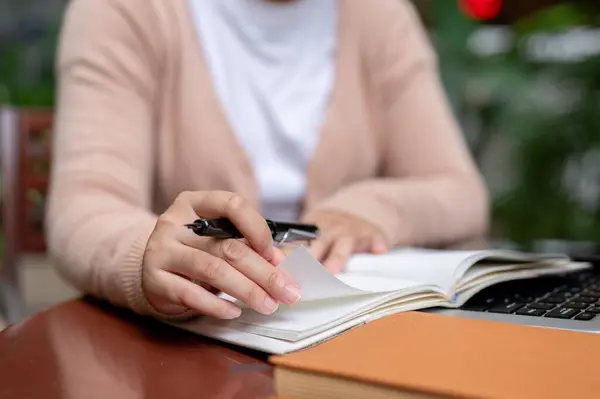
{"x":430,"y":267}
{"x":288,"y":322}
{"x":325,"y":298}
{"x":295,"y":322}
{"x":441,"y":268}
{"x":317,"y":283}
{"x":376,"y":283}
{"x":483,"y":269}
{"x":243,"y":335}
{"x":239,"y":335}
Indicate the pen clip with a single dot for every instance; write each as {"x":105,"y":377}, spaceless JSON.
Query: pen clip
{"x":290,"y":236}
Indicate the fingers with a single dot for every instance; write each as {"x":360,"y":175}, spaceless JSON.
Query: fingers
{"x":319,"y":248}
{"x":220,"y":204}
{"x":187,"y":295}
{"x":363,"y":244}
{"x":183,"y":271}
{"x":280,"y":255}
{"x":378,"y":245}
{"x":335,"y":253}
{"x":237,"y":270}
{"x":340,"y":253}
{"x":216,"y":272}
{"x":279,"y":285}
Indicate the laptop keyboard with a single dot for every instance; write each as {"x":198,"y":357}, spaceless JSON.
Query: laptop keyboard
{"x":575,"y":296}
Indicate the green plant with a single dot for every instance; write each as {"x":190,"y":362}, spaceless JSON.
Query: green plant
{"x":510,"y":96}
{"x":21,"y":83}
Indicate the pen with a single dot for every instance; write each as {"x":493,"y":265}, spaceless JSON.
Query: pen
{"x":280,"y":231}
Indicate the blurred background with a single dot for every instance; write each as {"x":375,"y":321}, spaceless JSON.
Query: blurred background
{"x":523,"y":77}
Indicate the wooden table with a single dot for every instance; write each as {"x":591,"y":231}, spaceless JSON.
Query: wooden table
{"x":85,"y":349}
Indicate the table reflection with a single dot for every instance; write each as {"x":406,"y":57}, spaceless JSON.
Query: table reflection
{"x":87,"y":349}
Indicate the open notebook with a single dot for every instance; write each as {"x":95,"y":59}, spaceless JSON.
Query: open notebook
{"x":373,"y":286}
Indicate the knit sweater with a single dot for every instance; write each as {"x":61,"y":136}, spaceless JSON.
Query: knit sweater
{"x":138,"y":122}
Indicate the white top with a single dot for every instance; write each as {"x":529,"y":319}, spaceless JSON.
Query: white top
{"x":273,"y":68}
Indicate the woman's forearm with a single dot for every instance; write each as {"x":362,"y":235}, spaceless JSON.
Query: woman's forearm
{"x":435,"y":211}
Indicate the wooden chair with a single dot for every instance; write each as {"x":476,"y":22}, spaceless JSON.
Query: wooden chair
{"x":25,"y":155}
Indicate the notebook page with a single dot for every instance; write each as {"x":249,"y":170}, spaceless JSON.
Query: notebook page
{"x":318,"y":283}
{"x":239,"y":334}
{"x":377,"y":283}
{"x":305,"y":319}
{"x":289,"y":321}
{"x":440,"y":268}
{"x":325,"y":298}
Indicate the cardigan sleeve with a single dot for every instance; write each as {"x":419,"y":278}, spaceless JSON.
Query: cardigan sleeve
{"x":430,"y":192}
{"x":98,"y":217}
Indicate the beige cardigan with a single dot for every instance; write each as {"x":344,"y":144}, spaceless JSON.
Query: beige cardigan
{"x":138,"y":122}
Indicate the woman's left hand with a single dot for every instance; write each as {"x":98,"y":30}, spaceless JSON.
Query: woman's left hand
{"x":342,"y":235}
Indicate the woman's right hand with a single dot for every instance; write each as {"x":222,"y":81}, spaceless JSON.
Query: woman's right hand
{"x":182,"y":271}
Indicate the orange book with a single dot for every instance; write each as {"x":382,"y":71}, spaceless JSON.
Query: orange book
{"x":421,"y":355}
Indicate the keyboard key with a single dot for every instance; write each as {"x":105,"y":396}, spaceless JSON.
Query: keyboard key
{"x":561,"y":288}
{"x":530,"y":312}
{"x":553,"y":299}
{"x":575,"y":305}
{"x":564,"y":295}
{"x":594,"y":310}
{"x":506,"y":308}
{"x":584,"y":277}
{"x":586,"y":299}
{"x":591,"y":294}
{"x":562,"y":313}
{"x":585,"y":316}
{"x":523,"y":298}
{"x":542,"y":306}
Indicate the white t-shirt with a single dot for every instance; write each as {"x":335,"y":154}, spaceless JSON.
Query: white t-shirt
{"x":273,"y":68}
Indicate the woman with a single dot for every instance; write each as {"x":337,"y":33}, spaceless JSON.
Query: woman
{"x":325,"y":111}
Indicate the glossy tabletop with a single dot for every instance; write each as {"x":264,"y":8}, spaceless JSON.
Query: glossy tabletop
{"x":84,"y":349}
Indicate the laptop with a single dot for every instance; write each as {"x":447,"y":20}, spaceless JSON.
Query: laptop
{"x":568,"y":302}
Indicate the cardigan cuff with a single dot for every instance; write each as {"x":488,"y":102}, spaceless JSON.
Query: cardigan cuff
{"x":132,"y":283}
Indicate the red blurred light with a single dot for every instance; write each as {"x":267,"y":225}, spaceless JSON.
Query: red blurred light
{"x":482,"y":9}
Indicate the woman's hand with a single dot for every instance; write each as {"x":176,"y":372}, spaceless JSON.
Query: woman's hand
{"x":342,"y":235}
{"x":182,"y":271}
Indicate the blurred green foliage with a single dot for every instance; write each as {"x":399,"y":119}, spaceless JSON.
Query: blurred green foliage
{"x":549,"y":114}
{"x":27,"y":67}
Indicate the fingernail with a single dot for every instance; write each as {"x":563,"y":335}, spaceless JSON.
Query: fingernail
{"x":233,"y":313}
{"x":292,"y":294}
{"x":380,"y":246}
{"x":333,"y":267}
{"x":270,"y":305}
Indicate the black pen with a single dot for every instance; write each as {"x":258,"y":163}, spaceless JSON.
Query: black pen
{"x":280,"y":231}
